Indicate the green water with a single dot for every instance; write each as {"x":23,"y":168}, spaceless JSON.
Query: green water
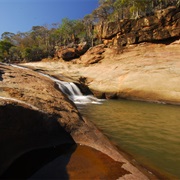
{"x":149,"y":132}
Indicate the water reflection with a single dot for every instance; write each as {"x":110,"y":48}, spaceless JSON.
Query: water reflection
{"x":150,"y":132}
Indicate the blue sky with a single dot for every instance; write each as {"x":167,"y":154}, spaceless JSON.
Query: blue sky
{"x":21,"y":15}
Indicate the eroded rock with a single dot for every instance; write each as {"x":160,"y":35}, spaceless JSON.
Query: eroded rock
{"x":93,"y":55}
{"x":24,"y":129}
{"x":146,"y":71}
{"x":34,"y":113}
{"x":164,"y":24}
{"x":69,"y":53}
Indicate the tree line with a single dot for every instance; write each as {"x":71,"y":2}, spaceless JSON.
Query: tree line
{"x":42,"y":41}
{"x":113,"y":10}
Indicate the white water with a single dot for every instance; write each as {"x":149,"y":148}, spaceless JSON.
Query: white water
{"x":71,"y":90}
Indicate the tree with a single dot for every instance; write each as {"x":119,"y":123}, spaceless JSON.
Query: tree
{"x":15,"y":53}
{"x":8,"y":36}
{"x":33,"y":53}
{"x":103,"y":11}
{"x":89,"y":27}
{"x":66,"y":31}
{"x":120,"y":10}
{"x":4,"y":49}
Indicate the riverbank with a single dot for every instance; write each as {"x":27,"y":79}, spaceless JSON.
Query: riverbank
{"x":35,"y":114}
{"x":82,"y":162}
{"x":70,"y":162}
{"x":145,"y":71}
{"x":146,"y":131}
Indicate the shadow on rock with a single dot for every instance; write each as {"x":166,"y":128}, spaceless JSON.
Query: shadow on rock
{"x":1,"y":73}
{"x":42,"y":163}
{"x":29,"y":139}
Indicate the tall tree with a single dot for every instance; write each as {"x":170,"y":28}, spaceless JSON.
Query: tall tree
{"x":8,"y":36}
{"x":4,"y":49}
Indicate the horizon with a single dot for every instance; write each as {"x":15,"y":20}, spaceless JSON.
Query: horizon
{"x":21,"y":15}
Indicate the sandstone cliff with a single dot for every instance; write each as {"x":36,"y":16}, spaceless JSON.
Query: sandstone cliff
{"x":163,"y":25}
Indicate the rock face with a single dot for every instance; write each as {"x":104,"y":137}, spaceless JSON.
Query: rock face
{"x":35,"y":114}
{"x":93,"y":55}
{"x":24,"y":129}
{"x":164,"y":24}
{"x":69,"y":53}
{"x":147,"y":71}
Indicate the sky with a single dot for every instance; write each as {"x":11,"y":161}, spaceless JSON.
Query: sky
{"x":21,"y":15}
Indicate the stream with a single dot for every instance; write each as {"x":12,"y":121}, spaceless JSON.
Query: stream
{"x":149,"y":132}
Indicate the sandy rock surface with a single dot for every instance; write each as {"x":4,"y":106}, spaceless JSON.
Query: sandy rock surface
{"x":52,"y":120}
{"x":148,"y":72}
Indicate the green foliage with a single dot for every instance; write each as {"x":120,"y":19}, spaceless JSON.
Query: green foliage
{"x":33,"y":54}
{"x":15,"y":53}
{"x":8,"y":36}
{"x":42,"y":41}
{"x":71,"y":31}
{"x":4,"y":49}
{"x":120,"y":9}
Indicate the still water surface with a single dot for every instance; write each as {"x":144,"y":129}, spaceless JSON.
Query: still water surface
{"x":149,"y":132}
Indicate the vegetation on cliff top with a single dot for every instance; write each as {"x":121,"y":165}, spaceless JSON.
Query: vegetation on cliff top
{"x":42,"y":41}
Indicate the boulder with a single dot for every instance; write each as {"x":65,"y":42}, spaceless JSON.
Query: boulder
{"x":68,"y":54}
{"x":82,"y":48}
{"x":72,"y":51}
{"x":93,"y":55}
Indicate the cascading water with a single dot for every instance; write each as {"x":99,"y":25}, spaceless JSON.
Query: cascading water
{"x":71,"y":90}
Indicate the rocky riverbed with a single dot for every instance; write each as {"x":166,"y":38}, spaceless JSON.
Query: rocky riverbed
{"x":145,"y":71}
{"x":37,"y":120}
{"x":35,"y":116}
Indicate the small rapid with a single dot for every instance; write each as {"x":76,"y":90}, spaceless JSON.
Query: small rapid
{"x":73,"y":92}
{"x":70,"y":89}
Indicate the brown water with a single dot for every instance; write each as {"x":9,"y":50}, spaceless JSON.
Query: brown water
{"x":149,"y":132}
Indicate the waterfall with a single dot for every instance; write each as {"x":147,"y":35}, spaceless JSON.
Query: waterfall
{"x":70,"y":89}
{"x":73,"y":92}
